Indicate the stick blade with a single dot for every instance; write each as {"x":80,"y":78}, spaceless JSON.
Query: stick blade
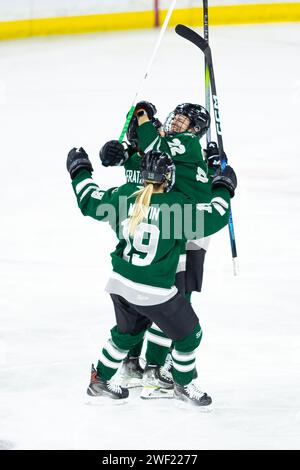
{"x":192,"y":36}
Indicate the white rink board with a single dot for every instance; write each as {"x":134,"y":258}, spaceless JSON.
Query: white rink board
{"x":26,"y":9}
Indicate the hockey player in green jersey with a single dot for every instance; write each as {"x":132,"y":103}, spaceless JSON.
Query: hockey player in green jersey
{"x":180,"y":137}
{"x":144,"y":264}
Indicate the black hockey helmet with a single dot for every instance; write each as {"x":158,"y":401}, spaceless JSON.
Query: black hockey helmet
{"x":199,"y":118}
{"x":158,"y":167}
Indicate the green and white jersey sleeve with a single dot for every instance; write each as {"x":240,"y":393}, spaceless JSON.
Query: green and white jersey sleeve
{"x":91,"y":199}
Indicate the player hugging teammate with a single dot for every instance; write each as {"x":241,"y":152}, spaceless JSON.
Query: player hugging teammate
{"x":175,"y":197}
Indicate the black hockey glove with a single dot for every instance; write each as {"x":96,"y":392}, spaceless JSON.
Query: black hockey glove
{"x":156,"y":123}
{"x":149,"y":108}
{"x":212,"y":155}
{"x":225,"y":179}
{"x":133,"y":124}
{"x":77,"y":160}
{"x":113,"y":153}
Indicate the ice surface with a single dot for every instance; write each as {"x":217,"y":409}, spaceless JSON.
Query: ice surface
{"x":60,"y":92}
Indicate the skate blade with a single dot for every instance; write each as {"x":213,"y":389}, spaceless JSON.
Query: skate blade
{"x":152,"y":392}
{"x":132,"y":383}
{"x":105,"y":401}
{"x":184,"y":405}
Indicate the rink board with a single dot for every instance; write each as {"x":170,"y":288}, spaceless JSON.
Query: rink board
{"x":219,"y":15}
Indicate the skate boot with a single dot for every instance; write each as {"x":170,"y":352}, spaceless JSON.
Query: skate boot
{"x":157,"y":383}
{"x":168,"y":365}
{"x":190,"y":394}
{"x":105,"y":388}
{"x":131,"y":373}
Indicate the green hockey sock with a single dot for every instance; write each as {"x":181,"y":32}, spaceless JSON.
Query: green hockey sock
{"x":110,"y":359}
{"x":184,"y":356}
{"x":158,"y":346}
{"x":136,"y":350}
{"x":115,"y":350}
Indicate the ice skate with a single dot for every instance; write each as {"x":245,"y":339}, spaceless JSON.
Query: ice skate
{"x":168,"y":365}
{"x":100,"y":388}
{"x":191,"y":395}
{"x":157,"y":383}
{"x":131,"y":373}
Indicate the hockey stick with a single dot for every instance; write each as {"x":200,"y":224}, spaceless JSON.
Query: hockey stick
{"x":196,"y":39}
{"x":159,"y":39}
{"x":207,"y":81}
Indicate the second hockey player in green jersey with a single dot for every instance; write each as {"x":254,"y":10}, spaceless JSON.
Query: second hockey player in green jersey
{"x":180,"y":139}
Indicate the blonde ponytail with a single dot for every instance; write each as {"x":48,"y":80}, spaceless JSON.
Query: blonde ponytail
{"x":141,"y":206}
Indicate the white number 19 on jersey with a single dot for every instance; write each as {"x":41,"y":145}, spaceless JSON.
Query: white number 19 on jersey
{"x":149,"y":248}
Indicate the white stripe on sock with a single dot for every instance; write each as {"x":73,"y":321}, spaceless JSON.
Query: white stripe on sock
{"x":183,"y":357}
{"x":114,"y":352}
{"x":182,"y":368}
{"x":166,"y":342}
{"x":107,"y":362}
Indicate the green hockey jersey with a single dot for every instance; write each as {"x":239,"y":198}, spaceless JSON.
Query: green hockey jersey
{"x":144,"y":266}
{"x":132,"y":169}
{"x":192,"y":175}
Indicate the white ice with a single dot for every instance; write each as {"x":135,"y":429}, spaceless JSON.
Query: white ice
{"x":60,"y":92}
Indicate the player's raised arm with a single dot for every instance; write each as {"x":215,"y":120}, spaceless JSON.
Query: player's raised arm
{"x":90,"y":198}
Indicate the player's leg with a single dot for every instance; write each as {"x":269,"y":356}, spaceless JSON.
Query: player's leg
{"x":128,"y":332}
{"x":158,"y":370}
{"x":195,"y":257}
{"x":128,"y":319}
{"x":158,"y":346}
{"x":189,"y":278}
{"x":157,"y":378}
{"x":178,"y":320}
{"x":133,"y":368}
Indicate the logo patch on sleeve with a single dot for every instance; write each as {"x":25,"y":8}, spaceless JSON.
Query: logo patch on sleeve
{"x":97,"y":194}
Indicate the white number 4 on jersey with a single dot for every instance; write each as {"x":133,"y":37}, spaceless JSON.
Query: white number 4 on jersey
{"x":201,"y":175}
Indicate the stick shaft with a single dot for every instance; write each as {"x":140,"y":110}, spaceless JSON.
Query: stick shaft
{"x":206,"y":81}
{"x":141,"y":86}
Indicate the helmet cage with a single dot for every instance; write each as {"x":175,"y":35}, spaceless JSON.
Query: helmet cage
{"x":197,"y":114}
